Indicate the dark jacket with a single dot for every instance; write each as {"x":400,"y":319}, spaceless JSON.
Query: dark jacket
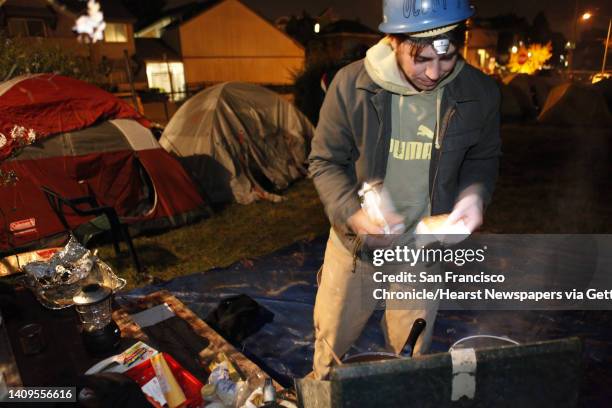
{"x":351,"y":142}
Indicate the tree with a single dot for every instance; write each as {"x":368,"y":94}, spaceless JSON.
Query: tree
{"x":530,"y":59}
{"x":540,"y":31}
{"x":301,"y":28}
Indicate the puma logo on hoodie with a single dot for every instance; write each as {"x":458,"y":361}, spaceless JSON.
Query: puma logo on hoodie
{"x":425,"y":131}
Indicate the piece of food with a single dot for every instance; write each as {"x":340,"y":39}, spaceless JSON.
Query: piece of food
{"x":439,"y":228}
{"x":435,"y":222}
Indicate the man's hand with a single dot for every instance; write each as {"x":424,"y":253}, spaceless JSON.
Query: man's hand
{"x":361,"y":224}
{"x":468,"y":208}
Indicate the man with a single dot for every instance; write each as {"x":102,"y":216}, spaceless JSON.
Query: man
{"x":415,"y":115}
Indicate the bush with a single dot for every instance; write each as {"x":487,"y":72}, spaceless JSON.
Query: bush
{"x":19,"y":57}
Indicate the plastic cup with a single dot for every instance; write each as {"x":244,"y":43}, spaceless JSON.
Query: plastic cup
{"x":31,"y":338}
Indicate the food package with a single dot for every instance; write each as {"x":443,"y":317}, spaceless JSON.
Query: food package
{"x":230,"y":393}
{"x":223,"y":359}
{"x":171,"y":389}
{"x":14,"y":263}
{"x":146,"y":376}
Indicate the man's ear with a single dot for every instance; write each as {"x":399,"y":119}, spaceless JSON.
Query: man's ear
{"x":393,"y":42}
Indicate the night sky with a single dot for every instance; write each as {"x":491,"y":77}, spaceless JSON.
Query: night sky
{"x":559,"y":12}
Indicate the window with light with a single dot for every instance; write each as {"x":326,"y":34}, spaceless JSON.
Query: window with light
{"x":115,"y":33}
{"x":169,"y":77}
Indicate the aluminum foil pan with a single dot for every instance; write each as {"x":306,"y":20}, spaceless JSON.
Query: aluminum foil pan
{"x":56,"y":281}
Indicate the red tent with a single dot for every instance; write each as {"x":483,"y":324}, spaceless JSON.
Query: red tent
{"x":84,"y":141}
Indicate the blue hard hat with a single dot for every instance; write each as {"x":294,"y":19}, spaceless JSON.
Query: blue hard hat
{"x":411,"y":16}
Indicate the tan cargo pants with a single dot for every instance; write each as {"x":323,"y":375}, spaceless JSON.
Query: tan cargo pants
{"x":344,"y":303}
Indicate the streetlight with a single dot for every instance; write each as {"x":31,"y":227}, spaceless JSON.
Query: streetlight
{"x":586,"y":16}
{"x":603,"y":63}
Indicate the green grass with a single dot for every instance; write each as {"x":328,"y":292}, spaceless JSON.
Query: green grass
{"x":552,"y":180}
{"x":238,"y":232}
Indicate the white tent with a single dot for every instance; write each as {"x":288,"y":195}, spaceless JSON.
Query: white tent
{"x":240,"y":142}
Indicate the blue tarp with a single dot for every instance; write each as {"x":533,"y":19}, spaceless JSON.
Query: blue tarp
{"x":285,"y":283}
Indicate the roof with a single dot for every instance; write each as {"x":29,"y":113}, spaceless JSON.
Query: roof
{"x":25,"y":3}
{"x":154,"y":49}
{"x":347,"y":26}
{"x":185,"y":13}
{"x":180,"y":14}
{"x":19,"y":11}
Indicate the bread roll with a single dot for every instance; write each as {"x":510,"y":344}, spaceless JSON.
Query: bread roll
{"x":439,"y":226}
{"x":435,"y":223}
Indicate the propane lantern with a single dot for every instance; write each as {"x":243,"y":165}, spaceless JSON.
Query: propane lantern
{"x":93,"y":305}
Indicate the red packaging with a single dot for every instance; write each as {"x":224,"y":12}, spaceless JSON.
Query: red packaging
{"x":191,"y":386}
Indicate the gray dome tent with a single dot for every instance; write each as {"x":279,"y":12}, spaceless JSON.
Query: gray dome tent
{"x":574,"y":104}
{"x":523,"y":96}
{"x":240,"y":142}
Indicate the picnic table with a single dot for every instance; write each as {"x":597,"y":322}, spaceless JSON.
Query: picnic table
{"x":65,"y":359}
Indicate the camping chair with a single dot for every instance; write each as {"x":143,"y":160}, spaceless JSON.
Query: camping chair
{"x":106,"y":220}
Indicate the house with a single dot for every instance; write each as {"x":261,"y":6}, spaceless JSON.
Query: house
{"x":216,"y":41}
{"x":480,"y":49}
{"x":37,"y":20}
{"x":163,"y":67}
{"x":329,"y":39}
{"x":341,"y":40}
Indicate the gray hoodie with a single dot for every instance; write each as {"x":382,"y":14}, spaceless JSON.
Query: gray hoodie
{"x":415,"y":121}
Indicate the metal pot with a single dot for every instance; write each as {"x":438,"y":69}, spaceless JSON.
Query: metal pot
{"x":370,"y":356}
{"x":417,"y":328}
